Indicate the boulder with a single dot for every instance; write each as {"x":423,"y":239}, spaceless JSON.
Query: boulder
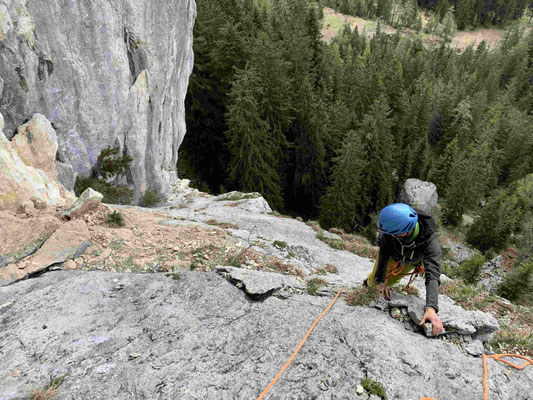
{"x":69,"y":241}
{"x":51,"y":49}
{"x":66,"y":175}
{"x":20,"y":182}
{"x":20,"y":237}
{"x":88,"y":201}
{"x":36,"y":144}
{"x":420,"y":195}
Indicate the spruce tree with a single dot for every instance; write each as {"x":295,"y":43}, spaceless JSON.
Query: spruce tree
{"x":338,"y":205}
{"x":253,"y":165}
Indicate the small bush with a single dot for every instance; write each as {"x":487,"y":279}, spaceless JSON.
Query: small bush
{"x":374,"y":387}
{"x":150,"y":198}
{"x":314,"y":285}
{"x":517,"y":286}
{"x":112,"y":194}
{"x":361,"y":296}
{"x":115,"y":219}
{"x":470,"y":270}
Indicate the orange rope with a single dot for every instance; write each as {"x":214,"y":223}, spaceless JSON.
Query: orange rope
{"x":299,"y":346}
{"x":498,"y":357}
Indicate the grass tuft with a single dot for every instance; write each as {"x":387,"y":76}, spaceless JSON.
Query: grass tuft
{"x":314,"y":285}
{"x":361,"y":296}
{"x":49,"y":391}
{"x":115,"y":219}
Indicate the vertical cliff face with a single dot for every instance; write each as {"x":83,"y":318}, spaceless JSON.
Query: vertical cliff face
{"x":104,"y":73}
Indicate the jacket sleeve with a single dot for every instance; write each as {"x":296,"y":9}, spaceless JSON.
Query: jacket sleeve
{"x":383,"y":258}
{"x":432,"y":264}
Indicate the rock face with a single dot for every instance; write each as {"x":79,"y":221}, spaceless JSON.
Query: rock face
{"x":196,"y":336}
{"x":19,"y":182}
{"x":420,"y":195}
{"x":105,"y":74}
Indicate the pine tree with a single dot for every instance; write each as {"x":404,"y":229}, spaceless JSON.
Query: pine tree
{"x":378,"y":147}
{"x":338,"y":205}
{"x":253,"y":165}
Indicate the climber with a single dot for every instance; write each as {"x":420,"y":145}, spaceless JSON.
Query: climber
{"x":408,"y":241}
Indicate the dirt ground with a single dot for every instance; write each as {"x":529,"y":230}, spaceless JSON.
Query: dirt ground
{"x":146,"y":244}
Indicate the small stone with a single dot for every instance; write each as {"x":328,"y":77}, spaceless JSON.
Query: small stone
{"x":134,"y":355}
{"x":16,"y":374}
{"x":395,"y":313}
{"x":70,"y":265}
{"x":475,"y":348}
{"x":359,"y":390}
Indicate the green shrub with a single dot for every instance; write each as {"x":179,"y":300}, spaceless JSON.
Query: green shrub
{"x":470,"y":270}
{"x":517,"y":286}
{"x":150,"y":198}
{"x":110,"y":164}
{"x":112,"y":194}
{"x":374,"y":387}
{"x":115,"y":219}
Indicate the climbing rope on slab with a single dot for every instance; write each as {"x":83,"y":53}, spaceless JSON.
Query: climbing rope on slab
{"x":299,"y":346}
{"x":499,"y":357}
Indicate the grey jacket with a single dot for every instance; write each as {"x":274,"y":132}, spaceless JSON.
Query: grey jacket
{"x":424,"y":249}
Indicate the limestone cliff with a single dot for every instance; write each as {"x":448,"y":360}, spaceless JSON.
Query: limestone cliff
{"x":104,"y":73}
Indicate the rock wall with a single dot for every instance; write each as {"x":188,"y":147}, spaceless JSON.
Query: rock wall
{"x":104,"y":73}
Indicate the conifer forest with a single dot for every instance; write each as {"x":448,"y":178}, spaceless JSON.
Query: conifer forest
{"x":331,"y":130}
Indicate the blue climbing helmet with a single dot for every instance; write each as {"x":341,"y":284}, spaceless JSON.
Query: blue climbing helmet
{"x":397,"y":218}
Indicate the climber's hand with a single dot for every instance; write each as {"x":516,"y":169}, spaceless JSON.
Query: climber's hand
{"x":430,"y":315}
{"x":384,"y":290}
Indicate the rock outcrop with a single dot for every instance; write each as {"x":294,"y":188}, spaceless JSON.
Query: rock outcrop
{"x":193,"y":335}
{"x":420,"y":195}
{"x":105,"y":74}
{"x":20,"y":181}
{"x":68,"y":241}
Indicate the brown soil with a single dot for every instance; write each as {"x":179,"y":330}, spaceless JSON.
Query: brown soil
{"x":143,"y":244}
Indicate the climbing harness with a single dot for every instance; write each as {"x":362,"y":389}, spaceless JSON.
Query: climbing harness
{"x":299,"y":346}
{"x":397,"y":268}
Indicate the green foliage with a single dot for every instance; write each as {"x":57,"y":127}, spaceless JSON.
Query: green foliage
{"x":112,"y":194}
{"x":374,"y":387}
{"x":110,"y":164}
{"x":333,"y":129}
{"x":253,"y":165}
{"x":314,"y":285}
{"x":150,"y":198}
{"x":503,"y":216}
{"x":115,"y":219}
{"x":517,"y":285}
{"x":470,"y":270}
